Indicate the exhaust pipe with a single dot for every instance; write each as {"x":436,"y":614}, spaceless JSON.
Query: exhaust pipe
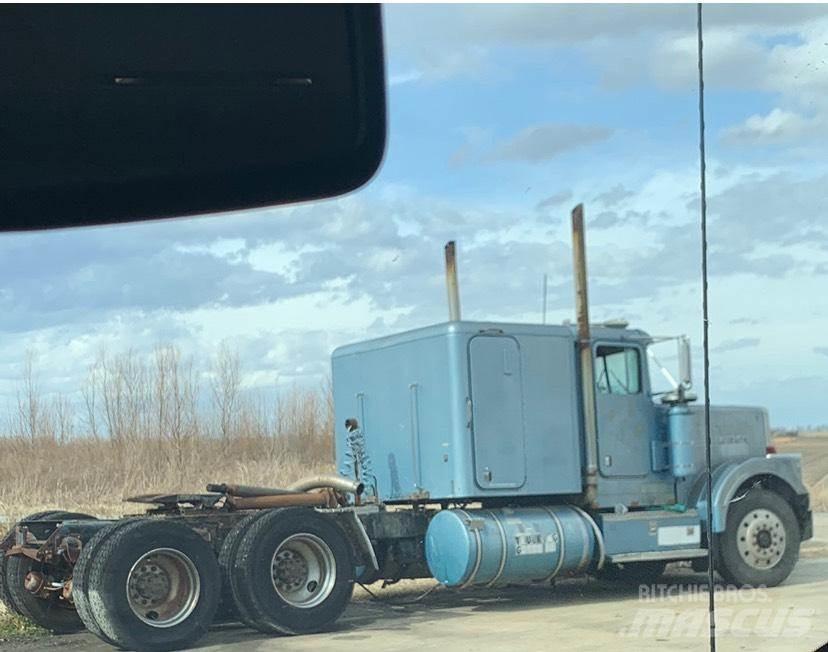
{"x":246,"y":491}
{"x":316,"y":499}
{"x":344,"y":485}
{"x":336,"y":482}
{"x":451,"y":282}
{"x":585,"y":355}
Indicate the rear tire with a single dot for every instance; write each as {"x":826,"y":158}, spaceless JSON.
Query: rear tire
{"x":231,"y":603}
{"x":5,"y":598}
{"x":154,"y":585}
{"x":293,"y":571}
{"x":80,"y":578}
{"x":53,"y":613}
{"x":760,"y":544}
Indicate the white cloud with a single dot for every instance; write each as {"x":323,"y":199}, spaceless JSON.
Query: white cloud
{"x":543,"y":142}
{"x":777,"y":127}
{"x":399,"y":78}
{"x":443,"y":41}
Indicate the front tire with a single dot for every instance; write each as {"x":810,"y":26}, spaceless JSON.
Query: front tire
{"x":760,"y":544}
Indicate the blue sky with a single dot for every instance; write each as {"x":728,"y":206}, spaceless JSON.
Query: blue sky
{"x":501,"y":118}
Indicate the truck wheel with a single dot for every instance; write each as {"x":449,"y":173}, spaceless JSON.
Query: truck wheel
{"x":230,"y":602}
{"x":638,"y":572}
{"x":52,"y":613}
{"x":80,"y":578}
{"x":293,"y":571}
{"x":5,"y":598}
{"x":153,"y":585}
{"x":760,"y":544}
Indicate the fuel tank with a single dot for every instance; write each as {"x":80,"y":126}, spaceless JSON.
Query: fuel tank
{"x":468,"y":547}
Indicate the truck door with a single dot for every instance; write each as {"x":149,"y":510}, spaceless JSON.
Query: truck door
{"x":625,"y":415}
{"x":497,"y":412}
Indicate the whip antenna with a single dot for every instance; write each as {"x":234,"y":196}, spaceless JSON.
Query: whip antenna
{"x":711,"y":604}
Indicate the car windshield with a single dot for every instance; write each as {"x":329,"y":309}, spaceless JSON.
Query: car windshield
{"x":276,"y":345}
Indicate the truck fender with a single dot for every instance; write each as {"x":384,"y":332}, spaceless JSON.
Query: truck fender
{"x":728,"y":477}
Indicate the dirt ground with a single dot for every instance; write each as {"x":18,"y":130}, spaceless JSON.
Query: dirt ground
{"x":814,"y":449}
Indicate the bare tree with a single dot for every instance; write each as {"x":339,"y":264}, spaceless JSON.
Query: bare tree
{"x":61,"y":419}
{"x":30,"y":412}
{"x":89,"y":392}
{"x":226,"y":387}
{"x":175,"y":393}
{"x":126,"y":395}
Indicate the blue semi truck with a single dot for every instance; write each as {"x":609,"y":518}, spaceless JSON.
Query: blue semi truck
{"x":476,"y":453}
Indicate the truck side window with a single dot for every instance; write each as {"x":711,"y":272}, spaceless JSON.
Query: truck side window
{"x":617,"y":370}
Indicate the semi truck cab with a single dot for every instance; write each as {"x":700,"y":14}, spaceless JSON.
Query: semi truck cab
{"x":493,"y":415}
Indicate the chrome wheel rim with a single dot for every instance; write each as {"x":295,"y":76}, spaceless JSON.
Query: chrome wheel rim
{"x":163,"y":587}
{"x":760,"y":539}
{"x":303,"y":570}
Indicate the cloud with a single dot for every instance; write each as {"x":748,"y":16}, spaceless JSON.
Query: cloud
{"x":768,"y":209}
{"x":777,"y":127}
{"x":445,"y":41}
{"x":366,"y":265}
{"x":604,"y":220}
{"x":614,"y":196}
{"x":554,"y":200}
{"x":735,"y":345}
{"x":543,"y":142}
{"x":768,"y":51}
{"x":822,"y":350}
{"x":408,"y":76}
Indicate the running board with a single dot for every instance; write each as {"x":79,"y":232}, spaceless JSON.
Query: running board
{"x":658,"y":555}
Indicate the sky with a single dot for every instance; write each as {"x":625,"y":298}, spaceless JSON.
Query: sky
{"x":501,"y":119}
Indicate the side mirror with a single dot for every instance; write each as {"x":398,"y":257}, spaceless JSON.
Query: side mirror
{"x":114,"y":113}
{"x":685,"y":366}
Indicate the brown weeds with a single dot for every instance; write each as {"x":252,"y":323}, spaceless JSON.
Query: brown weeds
{"x":148,"y":425}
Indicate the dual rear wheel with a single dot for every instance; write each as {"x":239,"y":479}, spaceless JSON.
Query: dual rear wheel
{"x":147,"y":584}
{"x":288,"y":571}
{"x":155,"y":584}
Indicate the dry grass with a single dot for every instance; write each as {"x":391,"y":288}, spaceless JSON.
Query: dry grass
{"x":154,"y":424}
{"x":143,"y":432}
{"x":95,"y":475}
